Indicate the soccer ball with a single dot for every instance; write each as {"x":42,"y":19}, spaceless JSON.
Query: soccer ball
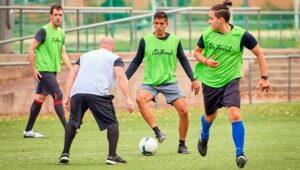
{"x":148,"y":146}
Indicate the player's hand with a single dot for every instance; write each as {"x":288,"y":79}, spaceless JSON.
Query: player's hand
{"x":265,"y":85}
{"x":36,"y":75}
{"x":195,"y":87}
{"x":210,"y":62}
{"x":67,"y":104}
{"x":130,"y":105}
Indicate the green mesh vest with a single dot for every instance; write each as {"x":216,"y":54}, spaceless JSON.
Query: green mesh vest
{"x":226,"y":50}
{"x":48,"y":53}
{"x":160,"y":59}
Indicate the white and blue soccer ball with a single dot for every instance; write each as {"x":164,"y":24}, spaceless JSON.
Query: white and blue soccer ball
{"x":148,"y":146}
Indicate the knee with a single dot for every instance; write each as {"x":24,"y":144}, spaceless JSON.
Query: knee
{"x":40,"y":98}
{"x":183,"y":112}
{"x":235,"y":117}
{"x":210,"y":118}
{"x":140,"y":99}
{"x":58,"y":96}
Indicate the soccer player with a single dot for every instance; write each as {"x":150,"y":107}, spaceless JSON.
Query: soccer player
{"x":89,"y":86}
{"x":219,"y":52}
{"x":160,"y":51}
{"x":45,"y":53}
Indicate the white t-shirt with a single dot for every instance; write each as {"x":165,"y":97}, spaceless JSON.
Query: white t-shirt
{"x":96,"y":73}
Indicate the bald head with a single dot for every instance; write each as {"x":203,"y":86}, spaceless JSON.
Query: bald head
{"x":107,"y":43}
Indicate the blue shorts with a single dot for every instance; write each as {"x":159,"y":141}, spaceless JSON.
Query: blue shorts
{"x":226,"y":96}
{"x":171,"y":91}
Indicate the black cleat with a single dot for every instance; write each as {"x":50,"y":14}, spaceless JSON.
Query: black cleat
{"x":241,"y":161}
{"x":183,"y":149}
{"x":113,"y":160}
{"x":64,"y":158}
{"x":202,"y":147}
{"x":160,"y":137}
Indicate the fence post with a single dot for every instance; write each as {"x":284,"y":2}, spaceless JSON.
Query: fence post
{"x":258,"y":25}
{"x":280,"y":31}
{"x":106,"y":29}
{"x":77,"y":20}
{"x":131,"y":30}
{"x":21,"y":30}
{"x":175,"y":23}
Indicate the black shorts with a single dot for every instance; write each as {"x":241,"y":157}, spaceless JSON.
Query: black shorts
{"x":48,"y":84}
{"x":226,"y":96}
{"x":101,"y":107}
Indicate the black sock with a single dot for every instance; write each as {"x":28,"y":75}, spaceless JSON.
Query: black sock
{"x":113,"y":137}
{"x":61,"y":114}
{"x":156,"y":129}
{"x":34,"y":112}
{"x":181,"y":142}
{"x":70,"y":133}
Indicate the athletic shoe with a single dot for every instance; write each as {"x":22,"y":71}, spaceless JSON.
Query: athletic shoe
{"x":113,"y":160}
{"x":64,"y":158}
{"x":32,"y":134}
{"x":241,"y":161}
{"x":202,"y":147}
{"x":160,"y":137}
{"x":183,"y":149}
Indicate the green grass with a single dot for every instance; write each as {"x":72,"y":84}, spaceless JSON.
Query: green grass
{"x":272,"y":141}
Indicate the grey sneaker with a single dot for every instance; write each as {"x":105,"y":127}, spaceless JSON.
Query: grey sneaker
{"x":241,"y":161}
{"x":202,"y":147}
{"x":113,"y":160}
{"x":64,"y":158}
{"x":183,"y":149}
{"x":160,"y":137}
{"x":32,"y":134}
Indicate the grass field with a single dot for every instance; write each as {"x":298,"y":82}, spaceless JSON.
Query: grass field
{"x":272,"y":141}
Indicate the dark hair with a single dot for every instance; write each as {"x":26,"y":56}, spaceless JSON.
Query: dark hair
{"x":161,"y":14}
{"x":222,"y":10}
{"x":57,"y":7}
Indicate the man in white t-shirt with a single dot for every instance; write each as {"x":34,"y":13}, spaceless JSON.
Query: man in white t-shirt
{"x":89,"y":86}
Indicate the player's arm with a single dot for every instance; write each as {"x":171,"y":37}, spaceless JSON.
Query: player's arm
{"x":264,"y":82}
{"x":210,"y":62}
{"x":65,"y":57}
{"x":250,"y":42}
{"x":187,"y":68}
{"x":70,"y":81}
{"x":31,"y":58}
{"x":39,"y":38}
{"x":123,"y":83}
{"x":135,"y":63}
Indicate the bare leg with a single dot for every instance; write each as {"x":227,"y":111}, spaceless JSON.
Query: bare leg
{"x":142,"y":99}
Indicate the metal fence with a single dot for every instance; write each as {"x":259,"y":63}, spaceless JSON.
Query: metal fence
{"x":186,"y":22}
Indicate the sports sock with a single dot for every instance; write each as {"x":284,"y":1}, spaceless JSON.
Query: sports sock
{"x":205,"y":128}
{"x":238,"y":134}
{"x":113,"y":137}
{"x":34,"y":112}
{"x":60,"y":113}
{"x":156,"y":129}
{"x":70,"y":133}
{"x":181,"y":142}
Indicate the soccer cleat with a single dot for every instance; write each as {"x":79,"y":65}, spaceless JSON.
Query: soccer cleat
{"x":241,"y":161}
{"x":160,"y":137}
{"x":202,"y":147}
{"x":64,"y":158}
{"x":113,"y":160}
{"x":183,"y":149}
{"x":32,"y":134}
